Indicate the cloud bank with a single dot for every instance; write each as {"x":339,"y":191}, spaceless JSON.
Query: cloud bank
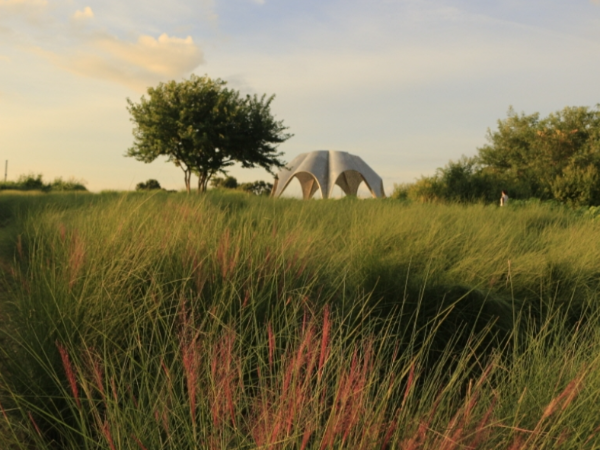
{"x":86,"y":48}
{"x":136,"y":65}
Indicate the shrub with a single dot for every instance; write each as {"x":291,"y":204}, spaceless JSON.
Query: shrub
{"x":33,"y":182}
{"x":226,"y":182}
{"x":67,"y":185}
{"x":257,"y":187}
{"x":149,"y":185}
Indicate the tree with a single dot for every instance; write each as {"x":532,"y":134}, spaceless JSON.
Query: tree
{"x":204,"y":127}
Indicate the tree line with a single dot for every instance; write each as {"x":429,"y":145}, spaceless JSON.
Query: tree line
{"x":552,"y":158}
{"x":35,"y":182}
{"x":203,"y":127}
{"x":259,"y":187}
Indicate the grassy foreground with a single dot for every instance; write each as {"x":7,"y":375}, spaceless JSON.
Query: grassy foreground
{"x":151,"y":321}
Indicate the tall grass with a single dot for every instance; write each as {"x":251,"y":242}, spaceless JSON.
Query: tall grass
{"x":160,"y":320}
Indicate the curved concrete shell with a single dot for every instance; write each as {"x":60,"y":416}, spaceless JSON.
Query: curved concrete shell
{"x":323,"y":169}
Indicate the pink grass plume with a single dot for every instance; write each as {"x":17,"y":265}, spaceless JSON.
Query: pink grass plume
{"x":138,"y":442}
{"x":35,"y":425}
{"x":305,"y":438}
{"x":66,"y":361}
{"x":107,"y":435}
{"x":4,"y":412}
{"x":324,"y":353}
{"x":271,"y":344}
{"x":409,"y":383}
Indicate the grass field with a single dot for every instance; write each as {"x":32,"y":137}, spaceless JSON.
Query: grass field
{"x":151,"y":321}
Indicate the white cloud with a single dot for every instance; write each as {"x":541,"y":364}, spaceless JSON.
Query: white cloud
{"x":134,"y":64}
{"x":4,"y":59}
{"x":85,"y":14}
{"x":259,"y":2}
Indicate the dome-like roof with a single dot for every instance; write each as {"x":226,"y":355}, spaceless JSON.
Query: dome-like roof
{"x":323,"y":169}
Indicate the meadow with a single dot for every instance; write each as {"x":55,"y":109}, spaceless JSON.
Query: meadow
{"x":229,"y":321}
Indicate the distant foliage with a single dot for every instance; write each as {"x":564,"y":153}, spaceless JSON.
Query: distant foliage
{"x":148,"y":185}
{"x":67,"y":185}
{"x":554,"y":158}
{"x":255,"y":187}
{"x":228,"y":182}
{"x":33,"y":182}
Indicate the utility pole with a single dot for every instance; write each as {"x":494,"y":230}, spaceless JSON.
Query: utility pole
{"x":5,"y":170}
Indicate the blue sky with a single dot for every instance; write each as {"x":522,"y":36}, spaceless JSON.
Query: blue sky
{"x":406,"y":84}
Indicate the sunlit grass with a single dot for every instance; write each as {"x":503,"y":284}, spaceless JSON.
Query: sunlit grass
{"x":228,"y":321}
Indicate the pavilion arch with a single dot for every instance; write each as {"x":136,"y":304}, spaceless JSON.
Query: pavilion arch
{"x":308,"y":183}
{"x":350,"y":180}
{"x":323,"y":170}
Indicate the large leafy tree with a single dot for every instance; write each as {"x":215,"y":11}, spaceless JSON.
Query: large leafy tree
{"x":204,"y":127}
{"x":554,"y":157}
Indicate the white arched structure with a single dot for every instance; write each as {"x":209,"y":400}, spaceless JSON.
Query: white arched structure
{"x":323,"y":169}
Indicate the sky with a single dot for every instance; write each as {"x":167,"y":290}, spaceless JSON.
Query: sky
{"x":407,"y":85}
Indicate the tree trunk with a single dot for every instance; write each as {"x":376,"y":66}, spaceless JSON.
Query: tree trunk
{"x":187,"y":174}
{"x":202,"y":182}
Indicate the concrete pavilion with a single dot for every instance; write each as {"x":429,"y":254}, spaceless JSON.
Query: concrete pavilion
{"x":323,"y":169}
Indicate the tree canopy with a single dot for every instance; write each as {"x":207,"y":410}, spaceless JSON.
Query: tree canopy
{"x":556,"y":157}
{"x":204,"y":127}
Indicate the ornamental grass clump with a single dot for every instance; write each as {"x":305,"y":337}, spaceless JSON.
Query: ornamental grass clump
{"x":162,"y":321}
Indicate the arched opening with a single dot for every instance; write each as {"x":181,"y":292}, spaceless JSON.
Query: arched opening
{"x":305,"y":186}
{"x":293,"y":189}
{"x":364,"y":191}
{"x":308,"y":183}
{"x":350,"y":181}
